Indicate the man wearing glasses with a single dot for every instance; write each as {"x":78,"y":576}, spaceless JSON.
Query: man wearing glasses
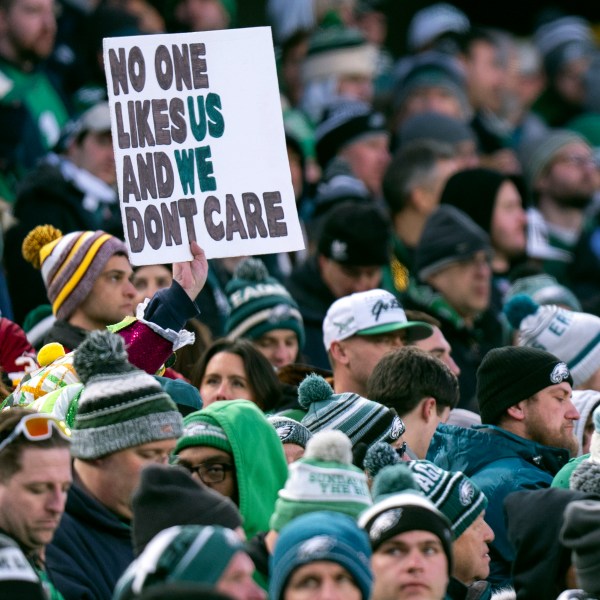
{"x":35,"y":476}
{"x":563,"y":177}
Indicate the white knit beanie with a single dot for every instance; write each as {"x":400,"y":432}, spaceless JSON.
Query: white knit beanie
{"x":574,"y":337}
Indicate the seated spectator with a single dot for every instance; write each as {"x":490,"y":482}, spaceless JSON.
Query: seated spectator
{"x":263,"y":311}
{"x":220,"y":445}
{"x":233,"y":370}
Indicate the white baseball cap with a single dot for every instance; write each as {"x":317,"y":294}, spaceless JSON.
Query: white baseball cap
{"x":369,"y":313}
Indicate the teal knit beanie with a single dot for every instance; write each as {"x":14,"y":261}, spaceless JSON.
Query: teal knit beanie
{"x":259,"y":304}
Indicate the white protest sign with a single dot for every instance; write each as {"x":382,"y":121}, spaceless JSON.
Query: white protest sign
{"x":199,"y":145}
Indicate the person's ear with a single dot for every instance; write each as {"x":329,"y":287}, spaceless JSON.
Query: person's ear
{"x":428,"y":408}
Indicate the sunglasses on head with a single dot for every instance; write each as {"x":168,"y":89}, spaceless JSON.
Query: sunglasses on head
{"x":36,"y":427}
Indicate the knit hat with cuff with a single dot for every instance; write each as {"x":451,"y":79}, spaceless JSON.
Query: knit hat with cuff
{"x":167,"y":496}
{"x":259,"y":303}
{"x":191,"y":553}
{"x":510,"y":374}
{"x":200,"y":429}
{"x":574,"y":337}
{"x":290,"y":431}
{"x":321,"y":536}
{"x":362,"y":420}
{"x":355,"y":234}
{"x":345,"y":123}
{"x":323,"y":479}
{"x":120,"y":406}
{"x":70,"y":264}
{"x":431,"y":22}
{"x":399,"y":506}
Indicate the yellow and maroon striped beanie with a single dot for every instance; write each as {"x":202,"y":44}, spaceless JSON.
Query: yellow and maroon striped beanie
{"x":70,"y":264}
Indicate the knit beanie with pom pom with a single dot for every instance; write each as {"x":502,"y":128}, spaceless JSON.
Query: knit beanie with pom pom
{"x":70,"y":264}
{"x":399,"y":507}
{"x":259,"y":303}
{"x":323,"y":479}
{"x":362,"y":420}
{"x":120,"y":406}
{"x":574,"y":337}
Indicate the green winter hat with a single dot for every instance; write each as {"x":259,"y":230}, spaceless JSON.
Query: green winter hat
{"x":182,"y":553}
{"x":259,"y":304}
{"x":200,"y":429}
{"x":120,"y":406}
{"x":323,"y":479}
{"x":452,"y":492}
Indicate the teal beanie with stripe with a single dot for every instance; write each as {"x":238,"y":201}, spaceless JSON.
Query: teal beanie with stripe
{"x":259,"y":304}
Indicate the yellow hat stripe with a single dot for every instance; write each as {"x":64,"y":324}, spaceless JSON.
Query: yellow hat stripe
{"x":47,"y":249}
{"x":80,"y":272}
{"x":80,"y":241}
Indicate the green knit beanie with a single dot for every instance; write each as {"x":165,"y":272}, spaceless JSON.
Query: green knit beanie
{"x":323,"y":479}
{"x":200,"y":429}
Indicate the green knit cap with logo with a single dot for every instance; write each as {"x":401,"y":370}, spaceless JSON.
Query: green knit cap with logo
{"x":200,"y":429}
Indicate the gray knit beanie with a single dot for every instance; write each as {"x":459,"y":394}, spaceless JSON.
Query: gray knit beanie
{"x":544,"y":150}
{"x":120,"y":406}
{"x":581,"y":533}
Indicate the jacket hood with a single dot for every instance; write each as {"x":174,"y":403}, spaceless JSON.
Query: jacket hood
{"x":260,"y":464}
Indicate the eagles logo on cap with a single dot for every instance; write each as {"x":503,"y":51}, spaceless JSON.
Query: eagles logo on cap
{"x":321,"y":544}
{"x":339,"y":250}
{"x":384,"y":523}
{"x":559,"y":373}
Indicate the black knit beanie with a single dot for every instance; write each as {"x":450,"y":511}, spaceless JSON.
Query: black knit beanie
{"x":355,"y":234}
{"x":167,"y":496}
{"x":449,"y":236}
{"x":511,"y":374}
{"x":474,"y":192}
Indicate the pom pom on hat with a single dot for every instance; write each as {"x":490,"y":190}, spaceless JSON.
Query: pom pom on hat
{"x":251,"y":269}
{"x":330,"y":446}
{"x":100,"y":353}
{"x":393,"y":479}
{"x":49,"y":353}
{"x":120,"y":406}
{"x":519,"y":307}
{"x":313,"y":481}
{"x":313,"y":389}
{"x":35,"y":240}
{"x":378,"y":456}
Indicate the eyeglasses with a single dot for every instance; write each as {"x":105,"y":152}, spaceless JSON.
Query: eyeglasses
{"x":209,"y":473}
{"x":578,"y":160}
{"x":36,"y":428}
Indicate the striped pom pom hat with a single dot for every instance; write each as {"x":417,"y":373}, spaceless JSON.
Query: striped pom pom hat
{"x":362,"y":420}
{"x":259,"y":303}
{"x":121,"y":406}
{"x":70,"y":264}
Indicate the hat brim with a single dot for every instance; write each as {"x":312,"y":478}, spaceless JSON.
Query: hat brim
{"x":416,"y":330}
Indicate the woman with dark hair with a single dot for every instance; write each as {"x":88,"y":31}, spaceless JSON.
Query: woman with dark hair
{"x":234,"y":370}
